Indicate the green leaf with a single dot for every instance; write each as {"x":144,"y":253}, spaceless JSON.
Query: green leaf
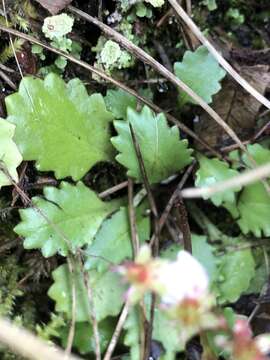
{"x":260,"y":154}
{"x":164,"y":330}
{"x":117,"y":101}
{"x":84,"y":338}
{"x":201,"y":72}
{"x":9,"y":153}
{"x":162,"y":151}
{"x":254,"y":201}
{"x":212,"y":171}
{"x":132,"y":336}
{"x":236,"y":272}
{"x":211,"y":4}
{"x":155,"y":3}
{"x":60,"y":126}
{"x":254,"y":210}
{"x":113,"y":240}
{"x":74,"y":209}
{"x":201,"y":250}
{"x":108,"y":293}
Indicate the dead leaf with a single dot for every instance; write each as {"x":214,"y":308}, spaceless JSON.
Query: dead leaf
{"x":54,"y":6}
{"x":236,"y":107}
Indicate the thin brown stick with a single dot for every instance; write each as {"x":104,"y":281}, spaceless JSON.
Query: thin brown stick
{"x":189,"y":7}
{"x":263,"y":129}
{"x":92,"y":315}
{"x":142,"y":55}
{"x":113,"y":189}
{"x":71,"y":332}
{"x":189,"y":22}
{"x":182,"y":217}
{"x":27,"y":344}
{"x":112,"y":81}
{"x":173,"y":198}
{"x":132,"y":220}
{"x":117,"y":332}
{"x":8,"y":80}
{"x":154,"y":210}
{"x":143,"y":173}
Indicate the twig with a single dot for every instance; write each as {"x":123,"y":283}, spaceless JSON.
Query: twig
{"x":28,"y":345}
{"x":132,"y":220}
{"x":181,"y":214}
{"x":142,"y":55}
{"x":113,"y":189}
{"x":163,"y":56}
{"x":8,"y":80}
{"x":71,"y":332}
{"x":245,"y":178}
{"x":143,"y":172}
{"x":113,"y":81}
{"x":92,"y":315}
{"x":189,"y":22}
{"x":264,"y":128}
{"x":173,"y":198}
{"x":155,"y":246}
{"x":117,"y":332}
{"x":6,"y":68}
{"x":189,"y":7}
{"x":100,"y":9}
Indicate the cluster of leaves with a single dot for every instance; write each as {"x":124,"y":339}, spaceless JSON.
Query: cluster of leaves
{"x":56,"y":28}
{"x":66,"y":131}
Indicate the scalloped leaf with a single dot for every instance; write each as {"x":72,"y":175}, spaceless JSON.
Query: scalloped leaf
{"x":84,"y":338}
{"x":254,"y":210}
{"x":260,"y":154}
{"x":237,"y":269}
{"x":113,"y":240}
{"x":74,"y":209}
{"x":212,"y":171}
{"x":254,"y":201}
{"x":108,"y":293}
{"x":162,"y":150}
{"x":165,"y":331}
{"x":117,"y":101}
{"x":9,"y":153}
{"x":201,"y":72}
{"x":60,"y":126}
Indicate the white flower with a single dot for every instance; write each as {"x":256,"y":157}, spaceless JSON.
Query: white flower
{"x":183,"y":279}
{"x":263,"y":343}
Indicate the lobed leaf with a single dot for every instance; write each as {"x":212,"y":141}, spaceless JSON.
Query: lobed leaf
{"x":254,"y":201}
{"x":165,"y":331}
{"x":118,"y":101}
{"x":113,"y":240}
{"x":84,"y":337}
{"x":237,"y":269}
{"x":9,"y":153}
{"x":212,"y":171}
{"x":74,"y":212}
{"x":162,"y":151}
{"x":254,"y":210}
{"x":201,"y":72}
{"x":107,"y":291}
{"x":60,"y":126}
